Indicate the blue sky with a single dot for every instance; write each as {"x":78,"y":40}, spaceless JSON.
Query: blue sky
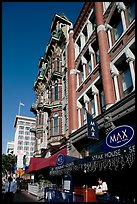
{"x":25,"y":34}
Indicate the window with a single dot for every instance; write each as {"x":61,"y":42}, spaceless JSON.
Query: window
{"x":85,"y":33}
{"x":102,"y":101}
{"x":21,"y":127}
{"x":87,"y":56}
{"x":21,"y":122}
{"x":92,"y":106}
{"x":26,"y":148}
{"x":32,"y":138}
{"x":26,"y":143}
{"x":20,"y":137}
{"x":55,"y":123}
{"x":27,"y":128}
{"x":32,"y":149}
{"x":131,"y":11}
{"x":118,"y":29}
{"x":20,"y":148}
{"x":126,"y":79}
{"x":31,"y":153}
{"x":20,"y":142}
{"x":27,"y":123}
{"x":40,"y":119}
{"x":56,"y":91}
{"x":58,"y":65}
{"x":65,"y":119}
{"x":27,"y":133}
{"x":21,"y":132}
{"x":26,"y":138}
{"x":85,"y":116}
{"x":92,"y":20}
{"x":96,"y":52}
{"x":65,"y":86}
{"x":79,"y":44}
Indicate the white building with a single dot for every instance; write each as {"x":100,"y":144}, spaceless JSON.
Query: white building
{"x":10,"y":148}
{"x":24,"y":140}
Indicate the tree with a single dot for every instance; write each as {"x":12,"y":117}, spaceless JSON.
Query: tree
{"x":8,"y":162}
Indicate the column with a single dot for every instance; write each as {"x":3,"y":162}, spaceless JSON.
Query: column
{"x":86,"y":100}
{"x":82,"y":39}
{"x":129,"y":59}
{"x":108,"y":87}
{"x":84,"y":62}
{"x":114,"y":74}
{"x":89,"y":28}
{"x":95,"y":92}
{"x":91,"y":52}
{"x":79,"y":106}
{"x":78,"y":72}
{"x":72,"y":85}
{"x":108,"y":28}
{"x":121,"y":8}
{"x":76,"y":50}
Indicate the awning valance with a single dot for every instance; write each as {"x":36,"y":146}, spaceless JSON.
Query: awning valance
{"x":41,"y":163}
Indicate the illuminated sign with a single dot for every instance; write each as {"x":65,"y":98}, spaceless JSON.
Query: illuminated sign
{"x":120,"y":136}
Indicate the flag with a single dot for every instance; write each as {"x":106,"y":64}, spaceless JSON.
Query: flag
{"x":22,"y":104}
{"x":93,"y":131}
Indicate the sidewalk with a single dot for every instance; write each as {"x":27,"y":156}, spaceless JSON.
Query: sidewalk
{"x":23,"y":196}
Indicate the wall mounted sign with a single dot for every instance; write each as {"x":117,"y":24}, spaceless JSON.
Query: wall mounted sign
{"x":60,"y":160}
{"x":120,"y":136}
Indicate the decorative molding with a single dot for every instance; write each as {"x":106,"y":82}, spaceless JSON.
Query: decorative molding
{"x":120,"y":6}
{"x":114,"y":70}
{"x":73,"y":71}
{"x":129,"y":55}
{"x":100,"y":28}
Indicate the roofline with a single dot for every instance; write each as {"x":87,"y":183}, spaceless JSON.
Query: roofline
{"x":54,"y":20}
{"x":23,"y":117}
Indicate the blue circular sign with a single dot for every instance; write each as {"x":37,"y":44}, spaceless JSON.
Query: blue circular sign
{"x":120,"y":136}
{"x":60,"y":160}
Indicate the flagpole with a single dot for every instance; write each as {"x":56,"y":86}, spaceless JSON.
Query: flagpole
{"x":19,"y":109}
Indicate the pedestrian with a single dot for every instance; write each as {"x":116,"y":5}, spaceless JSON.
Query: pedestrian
{"x":102,"y":191}
{"x":10,"y":189}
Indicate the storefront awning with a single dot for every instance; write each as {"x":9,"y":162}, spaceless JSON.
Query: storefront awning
{"x":114,"y":152}
{"x":41,"y":163}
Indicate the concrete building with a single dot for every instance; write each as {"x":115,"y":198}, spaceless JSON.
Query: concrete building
{"x":10,"y":148}
{"x":24,"y":140}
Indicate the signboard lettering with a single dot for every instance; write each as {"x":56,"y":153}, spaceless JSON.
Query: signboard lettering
{"x":120,"y":136}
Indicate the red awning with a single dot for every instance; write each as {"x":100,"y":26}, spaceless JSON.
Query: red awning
{"x":41,"y":163}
